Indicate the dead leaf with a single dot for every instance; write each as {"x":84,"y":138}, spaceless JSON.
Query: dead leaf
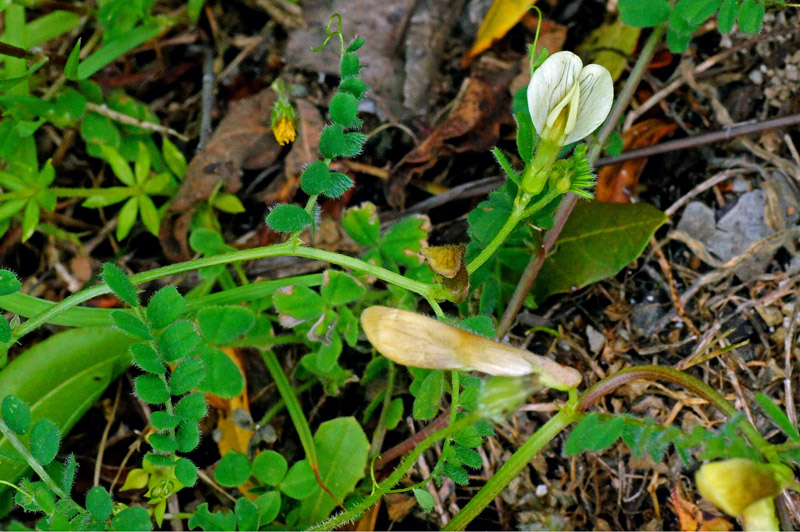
{"x":691,"y":517}
{"x":473,"y":126}
{"x":502,"y":16}
{"x":611,"y":45}
{"x":617,"y":183}
{"x":405,"y":43}
{"x":243,"y":139}
{"x":447,"y":263}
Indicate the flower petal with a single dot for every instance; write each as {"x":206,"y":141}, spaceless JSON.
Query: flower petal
{"x":597,"y":94}
{"x":550,"y":84}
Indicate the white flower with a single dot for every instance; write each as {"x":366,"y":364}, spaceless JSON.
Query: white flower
{"x":567,"y":101}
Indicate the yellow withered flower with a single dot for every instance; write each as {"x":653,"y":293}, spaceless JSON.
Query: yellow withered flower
{"x":284,"y":131}
{"x":744,"y":488}
{"x":415,"y":340}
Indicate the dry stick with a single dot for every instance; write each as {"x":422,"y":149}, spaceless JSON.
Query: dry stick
{"x":207,"y":100}
{"x":787,"y":366}
{"x":565,"y":208}
{"x":122,"y":118}
{"x":673,"y":294}
{"x":675,"y":84}
{"x":104,"y":438}
{"x":736,"y":130}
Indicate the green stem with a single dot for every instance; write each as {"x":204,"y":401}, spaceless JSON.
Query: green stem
{"x":380,"y":430}
{"x":278,"y":250}
{"x":292,"y":406}
{"x":32,"y":462}
{"x":511,"y":469}
{"x":397,"y":475}
{"x":514,"y":218}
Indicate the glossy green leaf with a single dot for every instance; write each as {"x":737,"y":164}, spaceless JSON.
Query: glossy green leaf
{"x":299,"y":482}
{"x":175,"y":160}
{"x":8,"y":282}
{"x":16,"y":414}
{"x":117,"y":48}
{"x":186,"y":472}
{"x":186,"y":376}
{"x":269,"y":505}
{"x":270,"y":467}
{"x":178,"y":340}
{"x":342,"y":449}
{"x":778,"y":416}
{"x":644,"y":13}
{"x":207,"y":520}
{"x":339,"y":288}
{"x":127,"y":322}
{"x":362,"y":225}
{"x":247,"y":514}
{"x":424,"y":499}
{"x":98,"y":503}
{"x":220,"y":325}
{"x":403,"y":241}
{"x":166,"y":306}
{"x":598,"y":241}
{"x":299,"y":302}
{"x":127,"y":218}
{"x":61,"y":377}
{"x":146,"y":358}
{"x":223,"y":377}
{"x":134,"y":518}
{"x":751,"y":16}
{"x":233,"y":469}
{"x":288,"y":218}
{"x":45,"y":439}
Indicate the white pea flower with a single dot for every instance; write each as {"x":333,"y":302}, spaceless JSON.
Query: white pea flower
{"x":567,"y":101}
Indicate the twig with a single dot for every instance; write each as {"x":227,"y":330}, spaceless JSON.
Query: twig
{"x":568,"y":203}
{"x":675,"y":84}
{"x":787,"y":366}
{"x":132,"y":121}
{"x":736,"y":130}
{"x":104,"y":438}
{"x":712,"y":181}
{"x":673,"y":294}
{"x":207,"y":102}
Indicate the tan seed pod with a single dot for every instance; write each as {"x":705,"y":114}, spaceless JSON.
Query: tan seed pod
{"x":415,"y":340}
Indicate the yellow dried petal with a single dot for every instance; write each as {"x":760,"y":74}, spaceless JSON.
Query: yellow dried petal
{"x":733,"y":485}
{"x":415,"y":340}
{"x":284,"y":131}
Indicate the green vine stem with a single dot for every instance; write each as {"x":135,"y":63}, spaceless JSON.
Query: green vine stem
{"x":277,"y":250}
{"x":28,"y":306}
{"x":511,"y":469}
{"x":573,"y":412}
{"x":397,"y":475}
{"x":520,"y":212}
{"x":565,"y":208}
{"x":32,"y":462}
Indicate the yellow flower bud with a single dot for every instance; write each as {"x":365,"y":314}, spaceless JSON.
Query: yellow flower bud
{"x":284,"y":131}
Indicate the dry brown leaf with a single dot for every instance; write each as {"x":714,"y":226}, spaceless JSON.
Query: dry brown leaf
{"x":617,"y":183}
{"x":473,"y":126}
{"x":243,"y":139}
{"x":691,"y":517}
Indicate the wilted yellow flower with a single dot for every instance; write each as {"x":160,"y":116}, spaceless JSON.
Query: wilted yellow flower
{"x":415,"y":340}
{"x":744,"y":488}
{"x":284,"y":131}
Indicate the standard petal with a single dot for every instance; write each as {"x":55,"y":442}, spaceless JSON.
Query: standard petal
{"x":550,"y":83}
{"x":597,"y":94}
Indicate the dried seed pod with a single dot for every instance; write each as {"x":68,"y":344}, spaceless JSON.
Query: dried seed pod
{"x":415,"y":340}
